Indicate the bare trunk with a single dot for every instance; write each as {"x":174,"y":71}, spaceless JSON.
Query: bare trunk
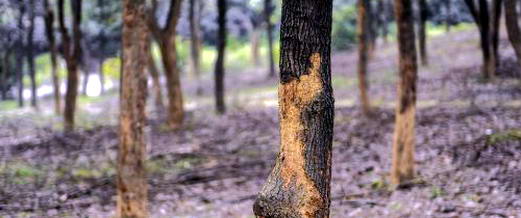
{"x":131,"y":178}
{"x":101,"y":76}
{"x":154,"y":73}
{"x":195,"y":38}
{"x":254,"y":38}
{"x":496,"y":29}
{"x":30,"y":54}
{"x":489,"y":66}
{"x":19,"y":79}
{"x":299,"y":184}
{"x":175,"y":95}
{"x":402,"y":169}
{"x":512,"y":23}
{"x":268,"y":8}
{"x":219,"y":64}
{"x":49,"y":30}
{"x":362,"y":29}
{"x":422,"y":35}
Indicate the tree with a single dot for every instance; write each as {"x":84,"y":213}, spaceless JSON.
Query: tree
{"x":156,"y":85}
{"x":299,"y":184}
{"x":513,"y":30}
{"x":268,"y":10}
{"x":49,"y":31}
{"x":20,"y":55}
{"x":72,"y":54}
{"x":195,"y":41}
{"x":422,"y":35}
{"x":221,"y":51}
{"x":404,"y":137}
{"x":362,"y":34}
{"x":131,"y":181}
{"x":448,"y":17}
{"x":165,"y":36}
{"x":30,"y":53}
{"x":496,"y":18}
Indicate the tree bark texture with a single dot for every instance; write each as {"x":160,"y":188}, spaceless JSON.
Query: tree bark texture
{"x":131,"y":178}
{"x":220,"y":104}
{"x":362,"y":35}
{"x":513,"y":30}
{"x":49,"y":30}
{"x":268,"y":10}
{"x":402,"y":169}
{"x":299,"y":184}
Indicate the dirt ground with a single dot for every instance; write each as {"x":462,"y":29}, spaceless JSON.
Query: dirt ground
{"x":468,"y":152}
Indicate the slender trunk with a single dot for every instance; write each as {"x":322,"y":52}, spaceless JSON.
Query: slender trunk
{"x":268,"y":8}
{"x":448,"y":18}
{"x":131,"y":178}
{"x":404,"y":135}
{"x":371,"y":35}
{"x":422,"y":35}
{"x":19,"y":79}
{"x":5,"y":72}
{"x":101,"y":75}
{"x":195,"y":38}
{"x":86,"y":76}
{"x":30,"y":54}
{"x":254,"y":38}
{"x":154,"y":73}
{"x":362,"y":29}
{"x":489,"y":67}
{"x":496,"y":29}
{"x":49,"y":30}
{"x":512,"y":23}
{"x":219,"y":64}
{"x":299,"y":184}
{"x":173,"y":82}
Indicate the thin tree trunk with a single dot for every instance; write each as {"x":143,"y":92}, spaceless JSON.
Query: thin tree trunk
{"x":219,"y":64}
{"x":448,"y":18}
{"x":254,"y":38}
{"x":268,"y":9}
{"x":195,"y":38}
{"x":20,"y":57}
{"x":496,"y":29}
{"x":422,"y":34}
{"x":371,"y":35}
{"x":131,"y":178}
{"x":5,"y":71}
{"x":404,"y":135}
{"x":30,"y":54}
{"x":101,"y":75}
{"x":154,"y":73}
{"x":49,"y":30}
{"x":299,"y":184}
{"x":512,"y":23}
{"x":489,"y":67}
{"x":362,"y":30}
{"x":86,"y":76}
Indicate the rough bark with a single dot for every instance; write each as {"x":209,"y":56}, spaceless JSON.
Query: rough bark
{"x":220,"y":105}
{"x":156,"y":84}
{"x":166,"y":39}
{"x":513,"y":30}
{"x":362,"y":30}
{"x":195,"y":42}
{"x":131,"y":178}
{"x":30,"y":53}
{"x":49,"y":31}
{"x":422,"y":34}
{"x":402,"y":169}
{"x":268,"y":10}
{"x":299,"y":184}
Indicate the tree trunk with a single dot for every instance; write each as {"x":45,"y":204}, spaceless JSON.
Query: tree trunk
{"x":489,"y":67}
{"x":404,"y":135}
{"x":496,"y":29}
{"x":219,"y":64}
{"x":154,"y":73}
{"x":514,"y":32}
{"x":101,"y":75}
{"x":195,"y":38}
{"x":20,"y":57}
{"x":422,"y":34}
{"x":254,"y":38}
{"x":448,"y":18}
{"x":362,"y":29}
{"x":268,"y":9}
{"x":49,"y":30}
{"x":5,"y":71}
{"x":371,"y":34}
{"x":299,"y":184}
{"x":30,"y":54}
{"x":131,"y":178}
{"x":86,"y":75}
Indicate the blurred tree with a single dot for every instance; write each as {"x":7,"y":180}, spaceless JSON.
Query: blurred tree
{"x":404,"y":135}
{"x":72,"y":54}
{"x":512,"y":23}
{"x":448,"y":16}
{"x":422,"y":34}
{"x":156,"y":84}
{"x":20,"y":54}
{"x":49,"y":31}
{"x":165,"y":36}
{"x":195,"y":41}
{"x":268,"y":10}
{"x":299,"y":184}
{"x":362,"y":32}
{"x":131,"y":178}
{"x":30,"y":52}
{"x":221,"y":51}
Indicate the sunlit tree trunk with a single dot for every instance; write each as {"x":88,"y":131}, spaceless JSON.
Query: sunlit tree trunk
{"x":49,"y":30}
{"x":299,"y":184}
{"x":512,"y":23}
{"x":195,"y":42}
{"x":402,"y":169}
{"x":422,"y":33}
{"x":131,"y":178}
{"x":219,"y":63}
{"x":30,"y":54}
{"x":362,"y":29}
{"x":268,"y":9}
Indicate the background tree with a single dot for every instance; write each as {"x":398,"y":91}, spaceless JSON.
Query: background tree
{"x":156,"y":84}
{"x":268,"y":10}
{"x":20,"y":54}
{"x":30,"y":52}
{"x":221,"y":51}
{"x":404,"y":136}
{"x":512,"y":23}
{"x":362,"y":30}
{"x":195,"y":41}
{"x":299,"y":184}
{"x":49,"y":31}
{"x":131,"y":181}
{"x":422,"y":33}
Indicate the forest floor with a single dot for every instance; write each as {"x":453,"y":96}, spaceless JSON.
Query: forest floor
{"x":468,"y":154}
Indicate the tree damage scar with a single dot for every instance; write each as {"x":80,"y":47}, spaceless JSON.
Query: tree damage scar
{"x":294,"y":97}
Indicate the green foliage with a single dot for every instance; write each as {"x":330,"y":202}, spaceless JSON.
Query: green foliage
{"x":344,"y":27}
{"x":112,"y":67}
{"x":508,"y":135}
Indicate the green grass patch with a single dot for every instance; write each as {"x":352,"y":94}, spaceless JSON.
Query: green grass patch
{"x":500,"y":137}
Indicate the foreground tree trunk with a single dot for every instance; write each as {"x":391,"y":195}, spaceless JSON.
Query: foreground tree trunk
{"x":72,"y":53}
{"x":299,"y":184}
{"x":131,"y":178}
{"x":30,"y":54}
{"x":195,"y":42}
{"x":362,"y":30}
{"x":219,"y":63}
{"x":422,"y":34}
{"x":514,"y":32}
{"x":49,"y":30}
{"x":404,"y":137}
{"x":268,"y":9}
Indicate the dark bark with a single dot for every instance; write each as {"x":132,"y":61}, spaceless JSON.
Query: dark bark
{"x":422,"y":34}
{"x":5,"y":72}
{"x":481,"y":17}
{"x":513,"y":30}
{"x":220,"y":105}
{"x":299,"y":184}
{"x":362,"y":35}
{"x":371,"y":33}
{"x":195,"y":42}
{"x":49,"y":31}
{"x":496,"y":29}
{"x":403,"y":142}
{"x":268,"y":10}
{"x":20,"y":57}
{"x":30,"y":53}
{"x":131,"y":178}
